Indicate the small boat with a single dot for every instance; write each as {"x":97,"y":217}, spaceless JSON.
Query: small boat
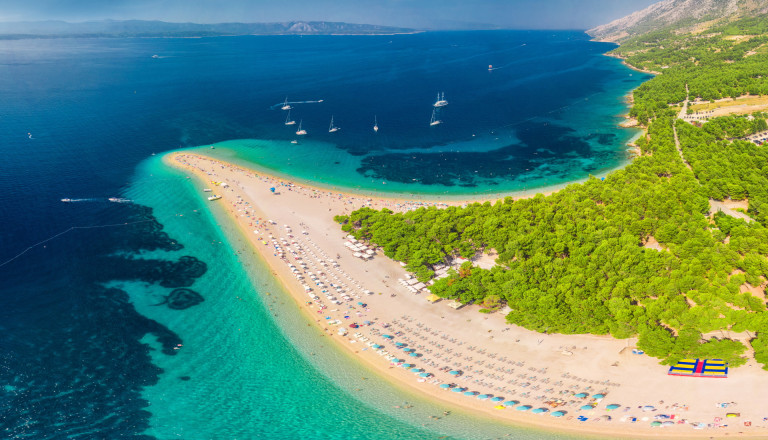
{"x":331,"y":128}
{"x":207,"y":190}
{"x":434,"y":120}
{"x":214,"y":197}
{"x":300,"y":131}
{"x":288,"y":120}
{"x":490,"y":67}
{"x":66,"y":200}
{"x":286,"y":106}
{"x":441,"y":102}
{"x":375,"y":125}
{"x":155,"y":56}
{"x":294,"y":141}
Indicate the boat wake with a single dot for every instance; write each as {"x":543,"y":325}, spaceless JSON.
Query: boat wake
{"x":110,"y":199}
{"x":286,"y":103}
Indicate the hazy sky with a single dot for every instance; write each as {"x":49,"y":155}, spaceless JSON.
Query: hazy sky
{"x":538,"y":14}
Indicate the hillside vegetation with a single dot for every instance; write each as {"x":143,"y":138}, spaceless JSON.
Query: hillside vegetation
{"x":579,"y":260}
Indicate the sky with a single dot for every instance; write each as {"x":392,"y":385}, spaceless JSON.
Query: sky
{"x":426,"y":14}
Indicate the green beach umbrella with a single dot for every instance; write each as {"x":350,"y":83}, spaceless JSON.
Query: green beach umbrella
{"x":656,"y":423}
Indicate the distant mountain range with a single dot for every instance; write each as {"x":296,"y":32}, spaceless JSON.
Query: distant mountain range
{"x":682,"y":15}
{"x":143,"y":28}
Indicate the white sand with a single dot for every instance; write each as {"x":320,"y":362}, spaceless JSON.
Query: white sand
{"x":495,"y":358}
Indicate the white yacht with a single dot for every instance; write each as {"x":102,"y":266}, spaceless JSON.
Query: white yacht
{"x":288,"y":120}
{"x":286,"y":106}
{"x":441,"y":102}
{"x":214,"y":197}
{"x":300,"y":131}
{"x":331,"y":128}
{"x":434,"y":120}
{"x":375,"y":124}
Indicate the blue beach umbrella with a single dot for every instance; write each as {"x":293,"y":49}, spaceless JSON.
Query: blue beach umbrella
{"x":458,"y":390}
{"x":586,"y":407}
{"x":612,"y":406}
{"x":580,"y":395}
{"x":414,"y":354}
{"x":510,"y":403}
{"x":539,"y":410}
{"x":558,"y":414}
{"x":407,"y":350}
{"x":523,"y":407}
{"x":397,"y":361}
{"x":388,"y":336}
{"x":407,"y":365}
{"x":425,"y":374}
{"x":416,"y":370}
{"x":470,"y":393}
{"x":445,"y":385}
{"x":497,"y":399}
{"x":377,"y":346}
{"x":483,"y":396}
{"x":598,"y":396}
{"x":399,"y":344}
{"x":454,"y":373}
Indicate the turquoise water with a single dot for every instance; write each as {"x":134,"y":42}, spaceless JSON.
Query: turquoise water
{"x":255,"y":368}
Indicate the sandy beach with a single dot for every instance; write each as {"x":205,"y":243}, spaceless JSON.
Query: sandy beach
{"x":370,"y":307}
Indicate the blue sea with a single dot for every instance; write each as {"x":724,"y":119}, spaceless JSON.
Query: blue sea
{"x":144,"y":317}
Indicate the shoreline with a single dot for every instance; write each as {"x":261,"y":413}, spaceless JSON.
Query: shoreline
{"x":311,"y":202}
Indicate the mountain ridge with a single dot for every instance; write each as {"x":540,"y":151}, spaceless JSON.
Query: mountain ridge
{"x":154,"y":28}
{"x":682,"y":15}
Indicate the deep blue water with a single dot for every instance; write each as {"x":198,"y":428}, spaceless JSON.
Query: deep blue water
{"x":89,"y":319}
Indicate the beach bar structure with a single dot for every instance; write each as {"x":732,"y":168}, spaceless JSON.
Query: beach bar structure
{"x":700,"y":368}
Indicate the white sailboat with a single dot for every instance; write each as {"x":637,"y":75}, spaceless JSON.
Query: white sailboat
{"x":286,"y":106}
{"x":375,"y":124}
{"x":441,"y":102}
{"x":288,"y":120}
{"x":301,"y":132}
{"x":434,"y":120}
{"x":331,"y":128}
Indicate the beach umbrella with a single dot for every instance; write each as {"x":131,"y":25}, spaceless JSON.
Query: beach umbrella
{"x":580,"y":395}
{"x":388,"y":336}
{"x":667,"y":423}
{"x":510,"y":403}
{"x":397,"y":361}
{"x":416,"y":370}
{"x":408,"y":365}
{"x":523,"y":407}
{"x":425,"y":374}
{"x":539,"y":410}
{"x":557,"y":414}
{"x":377,"y":346}
{"x":483,"y":396}
{"x":656,"y":423}
{"x":454,"y":373}
{"x":399,"y":344}
{"x":445,"y":385}
{"x":407,"y":350}
{"x":648,"y":408}
{"x":414,"y":354}
{"x":458,"y":390}
{"x":272,"y":189}
{"x":598,"y":396}
{"x":367,"y":322}
{"x":586,"y":407}
{"x":499,"y":407}
{"x":470,"y":393}
{"x":497,"y":399}
{"x":612,"y":406}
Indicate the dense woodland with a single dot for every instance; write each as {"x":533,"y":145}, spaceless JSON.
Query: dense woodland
{"x":638,"y":254}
